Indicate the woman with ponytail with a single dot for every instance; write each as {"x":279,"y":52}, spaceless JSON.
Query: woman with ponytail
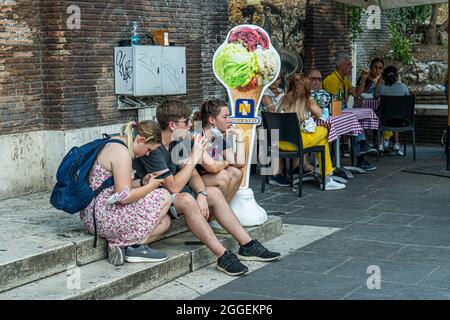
{"x":392,"y":87}
{"x":220,"y":167}
{"x":132,"y":213}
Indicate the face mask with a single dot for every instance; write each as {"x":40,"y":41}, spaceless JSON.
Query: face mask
{"x":216,"y":132}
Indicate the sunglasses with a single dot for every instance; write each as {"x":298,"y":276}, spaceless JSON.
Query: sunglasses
{"x":186,"y":121}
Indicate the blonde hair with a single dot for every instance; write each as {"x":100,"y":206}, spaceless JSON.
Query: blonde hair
{"x":298,"y":97}
{"x":148,"y":129}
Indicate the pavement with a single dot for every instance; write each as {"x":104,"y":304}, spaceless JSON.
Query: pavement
{"x":390,"y":238}
{"x":383,"y":237}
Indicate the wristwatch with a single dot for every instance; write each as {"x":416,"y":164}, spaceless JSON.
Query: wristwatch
{"x":203,"y":193}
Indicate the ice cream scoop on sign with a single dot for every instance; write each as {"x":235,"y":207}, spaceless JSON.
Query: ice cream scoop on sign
{"x":246,"y":60}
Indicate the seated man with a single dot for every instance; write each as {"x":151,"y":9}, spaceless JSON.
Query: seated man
{"x":322,"y":97}
{"x":337,"y":82}
{"x":197,"y":201}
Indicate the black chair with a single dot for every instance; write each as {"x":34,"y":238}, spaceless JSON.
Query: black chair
{"x":396,"y":113}
{"x":289,"y":131}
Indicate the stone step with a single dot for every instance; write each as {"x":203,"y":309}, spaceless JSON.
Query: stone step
{"x":101,"y":280}
{"x":37,"y":241}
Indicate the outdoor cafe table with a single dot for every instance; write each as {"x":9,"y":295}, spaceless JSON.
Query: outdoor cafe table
{"x":345,"y":124}
{"x":367,"y":117}
{"x":372,"y":103}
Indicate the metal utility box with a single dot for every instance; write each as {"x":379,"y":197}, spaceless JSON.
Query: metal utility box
{"x":150,"y":70}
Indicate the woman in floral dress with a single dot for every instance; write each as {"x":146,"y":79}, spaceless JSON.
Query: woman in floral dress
{"x":132,"y":213}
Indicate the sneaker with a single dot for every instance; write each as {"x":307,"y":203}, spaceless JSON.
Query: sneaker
{"x":230,"y":264}
{"x":365,"y":165}
{"x":334,"y":185}
{"x":143,"y":253}
{"x":397,"y":147}
{"x":380,"y":148}
{"x":116,"y":256}
{"x":366,"y":149}
{"x":279,"y":180}
{"x":257,"y":252}
{"x":400,"y":153}
{"x":386,"y":144}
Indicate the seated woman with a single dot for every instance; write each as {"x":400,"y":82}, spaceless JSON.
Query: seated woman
{"x":130,"y":214}
{"x":299,"y":100}
{"x":392,"y":87}
{"x":271,"y":97}
{"x":373,"y":79}
{"x":221,"y":167}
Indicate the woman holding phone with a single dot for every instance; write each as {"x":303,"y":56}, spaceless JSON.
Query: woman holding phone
{"x":132,"y":213}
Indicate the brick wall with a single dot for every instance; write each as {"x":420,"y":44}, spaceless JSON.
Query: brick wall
{"x":215,"y":29}
{"x":369,"y":42}
{"x":326,"y":36}
{"x":55,"y":78}
{"x":20,"y":67}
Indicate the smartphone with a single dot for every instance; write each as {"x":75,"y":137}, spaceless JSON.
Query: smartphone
{"x":164,"y":175}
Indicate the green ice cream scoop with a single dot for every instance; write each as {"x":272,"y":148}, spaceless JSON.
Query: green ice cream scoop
{"x":235,"y":65}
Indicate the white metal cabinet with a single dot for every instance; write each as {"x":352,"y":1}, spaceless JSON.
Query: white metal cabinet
{"x":150,"y":70}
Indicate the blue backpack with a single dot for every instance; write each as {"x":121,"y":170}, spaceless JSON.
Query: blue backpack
{"x":72,"y":192}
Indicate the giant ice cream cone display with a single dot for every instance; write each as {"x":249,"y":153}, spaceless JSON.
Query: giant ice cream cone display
{"x":246,"y":64}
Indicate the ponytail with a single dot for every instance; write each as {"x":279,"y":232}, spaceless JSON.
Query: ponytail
{"x":148,"y":129}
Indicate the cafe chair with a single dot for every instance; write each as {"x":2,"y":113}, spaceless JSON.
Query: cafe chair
{"x":291,"y":144}
{"x":396,"y":114}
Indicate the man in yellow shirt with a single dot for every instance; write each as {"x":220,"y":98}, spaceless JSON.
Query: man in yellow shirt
{"x":338,"y":83}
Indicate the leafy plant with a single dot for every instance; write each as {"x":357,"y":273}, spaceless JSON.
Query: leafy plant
{"x":355,"y":23}
{"x":400,"y":44}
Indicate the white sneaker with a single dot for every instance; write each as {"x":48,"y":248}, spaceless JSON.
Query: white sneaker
{"x":333,"y":185}
{"x":397,"y":147}
{"x":381,"y":148}
{"x":386,"y":144}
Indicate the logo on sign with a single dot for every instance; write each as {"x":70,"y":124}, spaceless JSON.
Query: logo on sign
{"x":245,"y":108}
{"x":245,"y":112}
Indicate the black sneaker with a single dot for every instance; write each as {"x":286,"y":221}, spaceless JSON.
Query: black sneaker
{"x":230,"y":264}
{"x":257,"y":252}
{"x":365,"y":165}
{"x":143,"y":253}
{"x":367,"y":149}
{"x":280,"y":181}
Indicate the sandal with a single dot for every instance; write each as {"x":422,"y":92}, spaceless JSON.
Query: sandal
{"x":307,"y":167}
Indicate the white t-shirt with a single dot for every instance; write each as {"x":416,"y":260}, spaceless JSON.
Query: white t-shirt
{"x":275,"y":98}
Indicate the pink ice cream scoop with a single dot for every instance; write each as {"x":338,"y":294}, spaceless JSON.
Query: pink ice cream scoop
{"x":250,"y":38}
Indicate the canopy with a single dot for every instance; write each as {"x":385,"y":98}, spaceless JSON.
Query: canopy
{"x":390,"y":4}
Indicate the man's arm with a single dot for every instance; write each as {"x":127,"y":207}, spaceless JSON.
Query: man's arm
{"x":356,"y":91}
{"x":196,"y":182}
{"x":177,"y":182}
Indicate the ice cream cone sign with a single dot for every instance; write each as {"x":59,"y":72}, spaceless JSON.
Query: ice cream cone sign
{"x":246,"y":64}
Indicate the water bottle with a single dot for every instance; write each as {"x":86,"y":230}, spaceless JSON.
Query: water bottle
{"x":135,"y":37}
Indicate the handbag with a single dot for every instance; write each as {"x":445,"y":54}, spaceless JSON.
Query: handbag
{"x":309,"y":125}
